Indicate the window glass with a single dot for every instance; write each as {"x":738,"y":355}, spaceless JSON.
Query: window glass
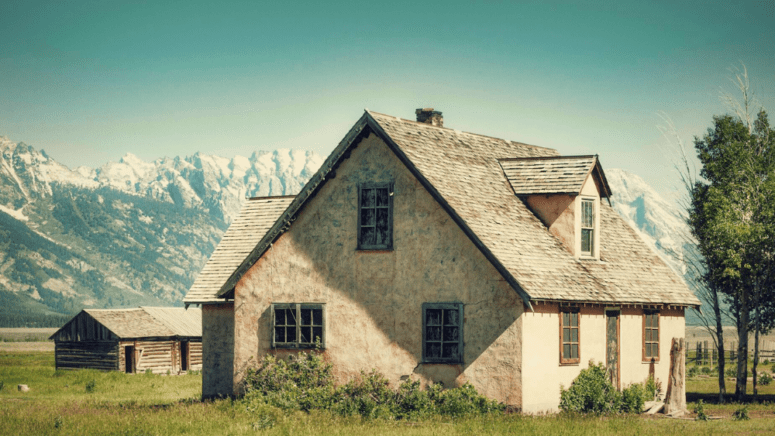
{"x":587,"y":226}
{"x":375,"y":208}
{"x":442,"y":332}
{"x":569,"y":336}
{"x":297,"y":325}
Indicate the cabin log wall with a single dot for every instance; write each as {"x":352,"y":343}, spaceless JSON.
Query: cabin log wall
{"x":102,"y":355}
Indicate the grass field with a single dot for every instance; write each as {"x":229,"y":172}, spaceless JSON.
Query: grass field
{"x":111,"y":403}
{"x":26,"y":334}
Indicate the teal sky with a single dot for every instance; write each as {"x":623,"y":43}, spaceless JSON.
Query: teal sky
{"x":91,"y":81}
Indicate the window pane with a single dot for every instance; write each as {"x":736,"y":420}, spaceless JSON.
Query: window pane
{"x":574,"y":319}
{"x":433,"y":333}
{"x":306,"y":316}
{"x":451,"y":317}
{"x":574,"y":351}
{"x":433,"y":349}
{"x":279,"y":316}
{"x":367,"y":217}
{"x":368,"y":236}
{"x":648,"y":350}
{"x":290,"y":334}
{"x":566,"y":335}
{"x":383,"y":196}
{"x":367,"y":197}
{"x":382,"y":219}
{"x":317,"y":334}
{"x":433,"y":317}
{"x":587,"y":216}
{"x":317,"y":316}
{"x":565,"y":318}
{"x":451,"y":333}
{"x":574,"y":337}
{"x":566,"y":351}
{"x":279,"y":334}
{"x":290,"y":316}
{"x":586,"y":240}
{"x":449,"y":351}
{"x":306,"y":334}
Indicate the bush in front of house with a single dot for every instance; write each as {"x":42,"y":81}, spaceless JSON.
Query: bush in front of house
{"x":764,"y":378}
{"x":305,"y":382}
{"x":592,"y":392}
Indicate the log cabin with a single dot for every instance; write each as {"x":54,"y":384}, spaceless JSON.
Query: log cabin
{"x":163,"y":340}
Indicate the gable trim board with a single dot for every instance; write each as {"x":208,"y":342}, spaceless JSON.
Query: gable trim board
{"x":601,"y":279}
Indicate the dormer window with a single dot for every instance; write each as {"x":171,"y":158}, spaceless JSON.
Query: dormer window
{"x":587,"y":227}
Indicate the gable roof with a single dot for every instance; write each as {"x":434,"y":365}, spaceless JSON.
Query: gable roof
{"x":145,"y":322}
{"x":479,"y":198}
{"x":255,"y":218}
{"x":553,"y":174}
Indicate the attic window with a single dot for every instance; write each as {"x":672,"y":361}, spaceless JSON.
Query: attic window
{"x":298,"y":325}
{"x":375,"y":216}
{"x":442,"y":332}
{"x":587,"y":227}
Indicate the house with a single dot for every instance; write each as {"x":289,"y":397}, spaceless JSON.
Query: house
{"x":160,"y":339}
{"x":442,"y":256}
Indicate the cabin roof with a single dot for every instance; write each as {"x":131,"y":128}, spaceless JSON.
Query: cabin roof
{"x":464,"y":173}
{"x":146,"y":322}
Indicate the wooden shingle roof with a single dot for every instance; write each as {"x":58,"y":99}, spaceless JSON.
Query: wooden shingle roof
{"x":464,"y":173}
{"x":146,"y":322}
{"x":255,"y":218}
{"x":551,"y":175}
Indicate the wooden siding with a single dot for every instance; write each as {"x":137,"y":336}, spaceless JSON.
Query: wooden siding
{"x":83,"y":328}
{"x":160,"y":356}
{"x":102,"y":355}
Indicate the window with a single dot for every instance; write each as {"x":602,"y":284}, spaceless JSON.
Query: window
{"x":442,"y":332}
{"x":588,"y":227}
{"x":298,"y":325}
{"x":650,"y":335}
{"x":375,"y":216}
{"x":569,"y":336}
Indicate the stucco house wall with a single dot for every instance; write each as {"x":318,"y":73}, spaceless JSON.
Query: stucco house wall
{"x":217,"y":350}
{"x":542,"y":372}
{"x":373,"y":299}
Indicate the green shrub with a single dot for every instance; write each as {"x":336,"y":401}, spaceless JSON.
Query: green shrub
{"x":653,"y":389}
{"x":591,"y":392}
{"x":633,"y":398}
{"x":731,"y":372}
{"x":700,"y":411}
{"x":741,"y":414}
{"x":305,"y":382}
{"x":90,"y":386}
{"x":694,"y":371}
{"x":764,"y":378}
{"x":705,"y":370}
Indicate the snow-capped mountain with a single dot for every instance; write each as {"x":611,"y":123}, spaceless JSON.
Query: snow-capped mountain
{"x":127,"y":233}
{"x":135,"y":232}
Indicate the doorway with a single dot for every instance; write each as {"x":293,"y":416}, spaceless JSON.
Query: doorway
{"x":184,"y":356}
{"x":612,"y":346}
{"x":129,"y":359}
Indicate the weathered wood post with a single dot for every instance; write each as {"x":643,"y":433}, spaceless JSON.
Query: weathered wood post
{"x":705,"y":351}
{"x":675,"y":398}
{"x":698,"y":355}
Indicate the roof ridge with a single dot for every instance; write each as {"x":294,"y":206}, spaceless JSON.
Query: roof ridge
{"x":271,"y":196}
{"x":579,"y":156}
{"x":460,"y":131}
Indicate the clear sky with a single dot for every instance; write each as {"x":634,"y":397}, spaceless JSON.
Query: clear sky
{"x":89,"y":81}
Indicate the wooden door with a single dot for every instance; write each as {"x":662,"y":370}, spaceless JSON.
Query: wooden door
{"x":184,"y":355}
{"x":612,"y":346}
{"x":129,"y":359}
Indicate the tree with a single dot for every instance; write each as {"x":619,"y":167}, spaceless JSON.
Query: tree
{"x":732,"y":217}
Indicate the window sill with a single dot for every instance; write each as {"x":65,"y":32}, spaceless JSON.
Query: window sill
{"x":373,"y":250}
{"x":570,"y":363}
{"x":646,"y":362}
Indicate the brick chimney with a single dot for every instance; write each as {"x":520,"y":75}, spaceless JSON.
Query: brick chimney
{"x":429,"y":116}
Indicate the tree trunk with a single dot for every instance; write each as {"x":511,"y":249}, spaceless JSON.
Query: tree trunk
{"x":742,"y":347}
{"x":722,"y":387}
{"x":755,"y":354}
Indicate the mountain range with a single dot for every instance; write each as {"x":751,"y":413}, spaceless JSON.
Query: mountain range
{"x":134,"y":232}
